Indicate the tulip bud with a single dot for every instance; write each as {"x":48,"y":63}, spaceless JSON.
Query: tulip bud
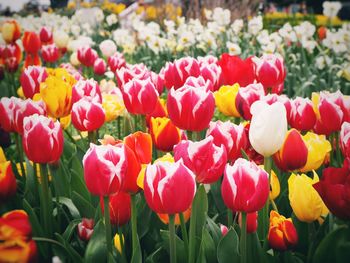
{"x":116,"y":61}
{"x":100,"y":66}
{"x":140,"y":96}
{"x":252,"y":222}
{"x":60,"y":38}
{"x":282,"y":233}
{"x":191,"y":108}
{"x":246,"y":96}
{"x":302,"y":115}
{"x":111,"y":164}
{"x":293,"y":154}
{"x":31,"y":78}
{"x":8,"y":107}
{"x":50,"y":53}
{"x":11,"y":31}
{"x":31,"y":42}
{"x":46,"y":35}
{"x":42,"y":139}
{"x":86,"y":229}
{"x":344,"y":139}
{"x":225,"y":100}
{"x":108,"y":48}
{"x":118,"y":240}
{"x":245,"y":187}
{"x":164,"y":133}
{"x":8,"y":183}
{"x":119,"y":208}
{"x":223,"y":229}
{"x":86,"y":88}
{"x":169,"y":188}
{"x":268,"y":127}
{"x":87,"y":56}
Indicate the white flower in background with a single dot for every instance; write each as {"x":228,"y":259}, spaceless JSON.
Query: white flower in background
{"x":60,"y":38}
{"x":56,"y":259}
{"x":308,"y":44}
{"x":331,"y":9}
{"x":75,"y":29}
{"x":323,"y":61}
{"x":263,"y":37}
{"x":111,"y":19}
{"x":233,"y":49}
{"x":108,"y":47}
{"x":335,"y":41}
{"x":237,"y":26}
{"x":255,"y":25}
{"x":73,"y":59}
{"x":208,"y":14}
{"x":221,"y":16}
{"x":123,"y":37}
{"x":99,"y":16}
{"x":81,"y":41}
{"x":305,"y":30}
{"x":269,"y":48}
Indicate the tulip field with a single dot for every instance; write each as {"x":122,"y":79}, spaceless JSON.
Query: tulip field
{"x":130,"y":138}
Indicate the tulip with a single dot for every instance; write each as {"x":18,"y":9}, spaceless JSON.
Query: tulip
{"x":169,"y":187}
{"x":302,"y":115}
{"x":282,"y":233}
{"x":212,"y":73}
{"x":318,"y":148}
{"x":42,"y":139}
{"x":158,"y":82}
{"x":100,"y":66}
{"x":225,"y":100}
{"x":108,"y":48}
{"x":246,"y":96}
{"x":2,"y":155}
{"x":159,"y":111}
{"x":190,"y":108}
{"x":268,"y":127}
{"x":232,"y":136}
{"x":18,"y":250}
{"x":87,"y":115}
{"x":223,"y":230}
{"x":252,"y":222}
{"x":8,"y":183}
{"x":113,"y":106}
{"x":87,"y":56}
{"x":334,"y":190}
{"x":140,"y":96}
{"x":208,"y":59}
{"x":116,"y":61}
{"x":12,"y":51}
{"x":273,"y":98}
{"x":8,"y":107}
{"x":31,"y":78}
{"x":119,"y":207}
{"x":245,"y":187}
{"x":46,"y":35}
{"x":31,"y":42}
{"x":60,"y":38}
{"x":293,"y":154}
{"x":86,"y":88}
{"x":198,"y":82}
{"x":50,"y":53}
{"x":176,"y":73}
{"x":86,"y":229}
{"x":165,"y":217}
{"x":164,"y":133}
{"x":132,"y":72}
{"x":275,"y":187}
{"x":104,"y":169}
{"x":344,"y":139}
{"x":306,"y":203}
{"x":11,"y":31}
{"x":236,"y":70}
{"x":206,"y":160}
{"x":117,"y":240}
{"x":141,"y":144}
{"x":270,"y":72}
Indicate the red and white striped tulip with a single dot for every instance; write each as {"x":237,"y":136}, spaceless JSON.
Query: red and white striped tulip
{"x":302,"y":116}
{"x":344,"y":139}
{"x":86,"y":88}
{"x":87,"y":56}
{"x":8,"y":107}
{"x":31,"y":78}
{"x":50,"y":53}
{"x":100,"y":66}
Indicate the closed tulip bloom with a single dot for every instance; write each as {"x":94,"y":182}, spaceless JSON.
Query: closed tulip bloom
{"x":158,"y":82}
{"x":211,"y":72}
{"x":31,"y":78}
{"x":42,"y":139}
{"x":268,"y":127}
{"x":117,"y":241}
{"x":169,"y":188}
{"x":198,"y":82}
{"x":87,"y":115}
{"x":104,"y":169}
{"x":46,"y":35}
{"x":108,"y":48}
{"x":31,"y":42}
{"x":303,"y":116}
{"x":282,"y":233}
{"x":232,"y":136}
{"x":113,"y":106}
{"x":60,"y":38}
{"x":306,"y":203}
{"x":252,"y":222}
{"x":32,"y":60}
{"x":141,"y":144}
{"x":8,"y":107}
{"x":246,"y":96}
{"x":8,"y":185}
{"x":140,"y":96}
{"x":159,"y":111}
{"x":225,"y":100}
{"x":132,"y":72}
{"x":270,"y":72}
{"x":119,"y":207}
{"x":245,"y":187}
{"x":273,"y":98}
{"x":223,"y":229}
{"x":116,"y":61}
{"x":12,"y":50}
{"x":165,"y":217}
{"x":86,"y":88}
{"x":293,"y":154}
{"x":11,"y":31}
{"x":275,"y":187}
{"x":344,"y":139}
{"x":100,"y":66}
{"x":86,"y":229}
{"x":334,"y":188}
{"x":206,"y":160}
{"x":318,"y":149}
{"x":164,"y":133}
{"x":50,"y":53}
{"x":87,"y":56}
{"x":191,"y":108}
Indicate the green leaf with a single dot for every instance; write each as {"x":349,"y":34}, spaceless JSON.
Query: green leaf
{"x":69,"y":204}
{"x":74,"y":255}
{"x":78,"y":184}
{"x":215,"y":231}
{"x":227,"y":251}
{"x":70,"y":229}
{"x":208,"y":247}
{"x":60,"y":180}
{"x":180,"y":248}
{"x":96,"y":250}
{"x":85,"y":208}
{"x":137,"y":254}
{"x":343,"y":252}
{"x":157,"y":256}
{"x":30,"y":192}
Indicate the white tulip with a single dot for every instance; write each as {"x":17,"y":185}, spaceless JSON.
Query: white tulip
{"x":60,"y":38}
{"x":268,"y":127}
{"x":108,"y":48}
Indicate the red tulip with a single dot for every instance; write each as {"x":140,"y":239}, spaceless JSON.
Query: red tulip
{"x":245,"y":187}
{"x":18,"y":222}
{"x":199,"y":82}
{"x":31,"y":78}
{"x":8,"y":107}
{"x":211,"y":72}
{"x":141,"y":144}
{"x":8,"y":184}
{"x":302,"y":115}
{"x":119,"y":207}
{"x":104,"y":169}
{"x":86,"y":229}
{"x":191,"y":108}
{"x":246,"y":96}
{"x":140,"y":96}
{"x":334,"y":189}
{"x":132,"y":72}
{"x":343,"y":102}
{"x":132,"y":170}
{"x":345,"y":139}
{"x":159,"y":111}
{"x":169,"y":187}
{"x":50,"y":53}
{"x":270,"y":72}
{"x":252,"y":222}
{"x":236,"y":70}
{"x":87,"y":115}
{"x":116,"y":61}
{"x":232,"y":136}
{"x":87,"y":56}
{"x":273,"y":98}
{"x":164,"y":133}
{"x":293,"y":154}
{"x":12,"y":52}
{"x":11,"y":64}
{"x":46,"y":35}
{"x":86,"y":88}
{"x":176,"y":73}
{"x":100,"y":66}
{"x":42,"y":139}
{"x":158,"y":82}
{"x":31,"y":42}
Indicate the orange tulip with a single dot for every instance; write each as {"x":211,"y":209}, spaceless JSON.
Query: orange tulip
{"x":141,"y":144}
{"x":32,"y":60}
{"x":11,"y":31}
{"x":31,"y":42}
{"x":164,"y":133}
{"x":165,"y":217}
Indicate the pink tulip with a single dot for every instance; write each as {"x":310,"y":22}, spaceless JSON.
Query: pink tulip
{"x":199,"y":82}
{"x":86,"y":88}
{"x":345,"y":139}
{"x":30,"y":80}
{"x":50,"y":53}
{"x":116,"y":61}
{"x":211,"y":72}
{"x":87,"y":56}
{"x":132,"y":72}
{"x":302,"y":115}
{"x":45,"y":35}
{"x":8,"y":107}
{"x":246,"y":96}
{"x":86,"y":229}
{"x":100,"y":66}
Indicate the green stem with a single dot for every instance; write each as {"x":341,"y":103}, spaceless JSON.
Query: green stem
{"x":20,"y":154}
{"x":229,"y":217}
{"x":172,"y":239}
{"x":192,"y":236}
{"x":243,"y":242}
{"x":264,"y":213}
{"x":134,"y":222}
{"x":45,"y":199}
{"x":184,"y":232}
{"x":107,"y":225}
{"x":92,"y":136}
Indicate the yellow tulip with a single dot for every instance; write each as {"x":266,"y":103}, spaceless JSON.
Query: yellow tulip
{"x":117,"y":242}
{"x":2,"y":155}
{"x":305,"y":201}
{"x":318,"y":149}
{"x":275,"y":187}
{"x":113,"y":106}
{"x":225,"y":99}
